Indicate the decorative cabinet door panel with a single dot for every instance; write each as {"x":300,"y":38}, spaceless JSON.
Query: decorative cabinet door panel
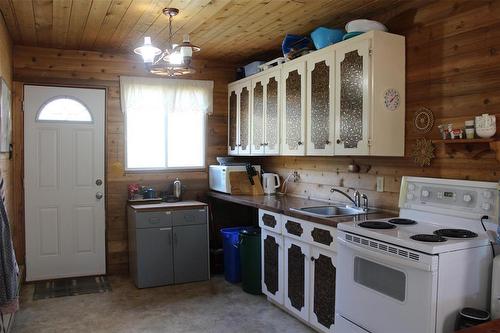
{"x":323,"y":273}
{"x":297,"y":264}
{"x":320,"y":107}
{"x":272,"y":265}
{"x":352,"y":101}
{"x":232,"y":120}
{"x":272,"y":113}
{"x":293,"y":104}
{"x":257,"y":115}
{"x":244,"y":119}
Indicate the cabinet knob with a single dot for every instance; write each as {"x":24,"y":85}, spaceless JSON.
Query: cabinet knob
{"x":299,"y":143}
{"x":312,"y":259}
{"x":327,"y":142}
{"x":339,"y":141}
{"x":266,"y":143}
{"x":262,"y":144}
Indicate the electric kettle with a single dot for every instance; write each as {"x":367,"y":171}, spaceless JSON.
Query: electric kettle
{"x":270,"y":182}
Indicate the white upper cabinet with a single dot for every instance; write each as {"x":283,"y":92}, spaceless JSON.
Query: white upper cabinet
{"x":345,"y":99}
{"x":319,"y":103}
{"x":352,"y":97}
{"x":293,"y":78}
{"x":265,"y":113}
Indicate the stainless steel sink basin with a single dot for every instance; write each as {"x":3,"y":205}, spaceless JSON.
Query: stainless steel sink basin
{"x":329,"y":211}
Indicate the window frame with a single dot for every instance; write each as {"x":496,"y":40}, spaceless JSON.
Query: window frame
{"x":55,"y":98}
{"x":166,"y":169}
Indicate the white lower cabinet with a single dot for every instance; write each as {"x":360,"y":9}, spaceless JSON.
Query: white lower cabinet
{"x":297,"y":277}
{"x":299,"y":269}
{"x":272,"y":265}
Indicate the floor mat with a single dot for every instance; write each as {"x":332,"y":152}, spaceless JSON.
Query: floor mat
{"x":71,"y":287}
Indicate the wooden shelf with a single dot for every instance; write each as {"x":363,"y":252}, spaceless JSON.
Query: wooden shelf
{"x":475,"y":147}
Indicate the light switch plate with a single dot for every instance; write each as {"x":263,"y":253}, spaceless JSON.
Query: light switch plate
{"x":380,"y":184}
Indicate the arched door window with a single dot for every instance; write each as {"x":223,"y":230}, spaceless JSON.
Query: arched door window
{"x":65,"y":109}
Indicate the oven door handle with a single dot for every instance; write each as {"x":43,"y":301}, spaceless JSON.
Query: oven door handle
{"x":386,"y":258}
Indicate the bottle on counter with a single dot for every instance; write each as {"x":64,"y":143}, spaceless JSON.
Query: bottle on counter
{"x":177,"y":188}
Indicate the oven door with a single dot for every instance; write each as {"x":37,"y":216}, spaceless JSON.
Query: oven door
{"x":383,"y":292}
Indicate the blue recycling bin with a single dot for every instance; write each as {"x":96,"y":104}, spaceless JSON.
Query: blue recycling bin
{"x":232,"y":267}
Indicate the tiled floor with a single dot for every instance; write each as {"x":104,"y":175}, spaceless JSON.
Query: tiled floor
{"x":214,"y":306}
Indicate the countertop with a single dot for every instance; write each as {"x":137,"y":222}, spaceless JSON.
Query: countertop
{"x":489,"y":327}
{"x":282,"y":205}
{"x":169,"y":205}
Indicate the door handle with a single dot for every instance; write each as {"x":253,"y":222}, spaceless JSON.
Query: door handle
{"x":99,"y":195}
{"x":98,"y":182}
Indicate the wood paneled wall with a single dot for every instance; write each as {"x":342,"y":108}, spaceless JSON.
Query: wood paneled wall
{"x":82,"y":68}
{"x":5,"y":163}
{"x":453,"y":68}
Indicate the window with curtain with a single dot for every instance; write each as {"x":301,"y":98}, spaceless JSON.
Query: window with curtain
{"x":165,"y":121}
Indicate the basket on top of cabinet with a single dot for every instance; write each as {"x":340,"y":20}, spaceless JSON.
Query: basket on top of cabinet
{"x":345,"y":99}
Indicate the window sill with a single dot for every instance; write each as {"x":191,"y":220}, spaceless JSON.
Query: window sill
{"x":160,"y":171}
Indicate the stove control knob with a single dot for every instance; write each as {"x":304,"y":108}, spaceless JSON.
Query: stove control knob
{"x":410,"y":196}
{"x":425,"y":193}
{"x":467,"y":198}
{"x":411,"y":187}
{"x":487,"y":194}
{"x":486,"y":206}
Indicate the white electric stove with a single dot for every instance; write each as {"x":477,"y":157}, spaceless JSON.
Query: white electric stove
{"x":415,"y":272}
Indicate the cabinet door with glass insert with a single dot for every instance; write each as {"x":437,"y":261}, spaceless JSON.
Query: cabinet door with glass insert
{"x":257,"y":115}
{"x":319,"y":106}
{"x":352,"y":98}
{"x":232,"y":99}
{"x":293,"y":78}
{"x":244,"y":119}
{"x":272,"y":106}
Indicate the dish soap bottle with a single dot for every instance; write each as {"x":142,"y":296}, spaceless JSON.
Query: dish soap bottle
{"x":177,"y":188}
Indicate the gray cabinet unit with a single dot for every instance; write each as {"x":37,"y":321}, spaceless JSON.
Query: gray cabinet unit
{"x":168,"y":243}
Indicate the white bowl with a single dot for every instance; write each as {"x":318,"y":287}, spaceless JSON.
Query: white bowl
{"x":364,"y":26}
{"x":486,"y":133}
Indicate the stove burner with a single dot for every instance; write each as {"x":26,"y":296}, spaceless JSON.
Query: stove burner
{"x":455,"y":233}
{"x":402,"y":221}
{"x":428,"y":238}
{"x":376,"y":225}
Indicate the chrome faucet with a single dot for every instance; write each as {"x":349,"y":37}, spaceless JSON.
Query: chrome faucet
{"x":356,"y":200}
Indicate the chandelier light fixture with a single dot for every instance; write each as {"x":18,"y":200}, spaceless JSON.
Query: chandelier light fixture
{"x":175,"y":60}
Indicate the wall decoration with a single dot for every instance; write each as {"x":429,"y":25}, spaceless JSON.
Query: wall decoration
{"x":423,"y":152}
{"x":5,"y":117}
{"x":423,"y":120}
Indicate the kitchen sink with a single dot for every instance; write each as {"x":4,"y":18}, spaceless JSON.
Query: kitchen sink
{"x":329,"y":211}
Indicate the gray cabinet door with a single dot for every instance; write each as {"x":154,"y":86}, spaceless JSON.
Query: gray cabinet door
{"x":155,"y":257}
{"x":189,"y":217}
{"x":190,"y":253}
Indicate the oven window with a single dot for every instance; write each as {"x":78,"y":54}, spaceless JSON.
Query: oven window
{"x":383,"y":279}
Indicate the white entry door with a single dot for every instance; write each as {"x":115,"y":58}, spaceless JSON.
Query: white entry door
{"x":64,"y":182}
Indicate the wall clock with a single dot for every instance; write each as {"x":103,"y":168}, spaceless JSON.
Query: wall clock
{"x":392,"y":99}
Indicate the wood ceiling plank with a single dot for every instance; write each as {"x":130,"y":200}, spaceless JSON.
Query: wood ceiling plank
{"x":113,"y":18}
{"x":150,"y":15}
{"x":79,"y":14}
{"x":129,"y":21}
{"x":61,"y":12}
{"x":7,"y":11}
{"x":43,"y":21}
{"x":96,"y":15}
{"x":25,"y":17}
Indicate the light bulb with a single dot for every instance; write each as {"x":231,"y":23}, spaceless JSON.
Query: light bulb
{"x":148,"y":51}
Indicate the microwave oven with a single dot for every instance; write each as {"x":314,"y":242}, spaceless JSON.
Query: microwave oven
{"x":218,"y":176}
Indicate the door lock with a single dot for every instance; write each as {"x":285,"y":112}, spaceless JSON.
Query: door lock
{"x":98,"y":182}
{"x":99,"y":195}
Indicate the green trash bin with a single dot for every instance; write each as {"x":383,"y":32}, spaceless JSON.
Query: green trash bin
{"x":250,"y":260}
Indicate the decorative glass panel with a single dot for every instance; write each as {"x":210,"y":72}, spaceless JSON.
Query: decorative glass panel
{"x":64,"y":109}
{"x":351,"y":100}
{"x":293,"y":112}
{"x":258,"y":114}
{"x":232,"y":120}
{"x":244,"y":119}
{"x":324,"y":290}
{"x":271,"y":264}
{"x":296,"y":277}
{"x":320,"y":105}
{"x":272,"y":114}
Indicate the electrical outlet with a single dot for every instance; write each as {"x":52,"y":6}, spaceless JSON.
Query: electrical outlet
{"x":380,"y":184}
{"x":296,"y":177}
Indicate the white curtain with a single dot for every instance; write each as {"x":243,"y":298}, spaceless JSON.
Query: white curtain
{"x":165,"y":95}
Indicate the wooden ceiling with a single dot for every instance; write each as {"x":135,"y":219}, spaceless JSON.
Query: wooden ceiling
{"x":235,"y":29}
